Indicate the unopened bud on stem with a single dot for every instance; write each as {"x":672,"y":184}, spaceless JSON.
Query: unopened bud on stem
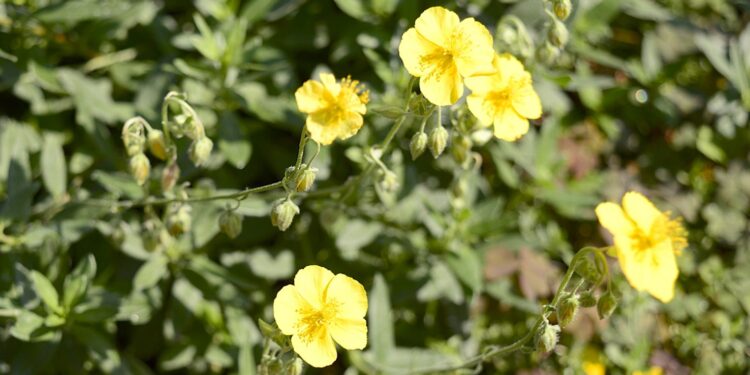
{"x":230,"y":223}
{"x":133,"y":137}
{"x":418,"y":144}
{"x":567,"y":309}
{"x":438,"y":139}
{"x":562,"y":9}
{"x":305,"y":179}
{"x":557,"y":33}
{"x":546,"y":339}
{"x":140,"y":167}
{"x":606,"y":305}
{"x":157,"y":144}
{"x":180,"y":220}
{"x":283,"y":214}
{"x":200,"y":150}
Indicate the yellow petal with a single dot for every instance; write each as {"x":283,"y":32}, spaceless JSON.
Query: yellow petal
{"x":442,"y":88}
{"x":324,"y":128}
{"x":653,"y":270}
{"x":412,"y":49}
{"x":526,"y":101}
{"x":349,"y":333}
{"x":310,"y":97}
{"x":319,"y":351}
{"x":612,"y":217}
{"x":437,"y":24}
{"x":475,"y":52}
{"x":311,"y":283}
{"x":509,"y":125}
{"x":287,"y":307}
{"x":508,"y":65}
{"x":640,"y":210}
{"x":483,"y":113}
{"x":349,"y":295}
{"x":329,"y":81}
{"x":484,"y":84}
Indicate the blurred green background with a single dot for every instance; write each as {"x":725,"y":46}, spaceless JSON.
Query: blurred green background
{"x":649,"y":95}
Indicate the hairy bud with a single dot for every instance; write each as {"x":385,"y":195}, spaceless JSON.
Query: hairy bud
{"x":461,"y":148}
{"x":606,"y":305}
{"x":157,"y":144}
{"x":180,"y":220}
{"x":230,"y":223}
{"x":140,"y":167}
{"x":200,"y":150}
{"x":438,"y":139}
{"x":418,"y":144}
{"x":305,"y":179}
{"x":587,"y":299}
{"x":562,"y":9}
{"x":546,"y":339}
{"x":169,"y":177}
{"x":567,"y":309}
{"x":133,"y":136}
{"x":282,"y":214}
{"x":557,"y":34}
{"x":547,"y":53}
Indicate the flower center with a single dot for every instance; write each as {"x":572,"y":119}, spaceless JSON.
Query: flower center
{"x":314,"y":322}
{"x":662,"y":229}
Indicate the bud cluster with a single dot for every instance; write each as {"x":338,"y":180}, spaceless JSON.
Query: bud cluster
{"x":512,"y":37}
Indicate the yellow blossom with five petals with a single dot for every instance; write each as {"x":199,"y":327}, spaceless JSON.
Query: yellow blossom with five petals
{"x":504,"y":98}
{"x":334,"y":108}
{"x":441,"y":49}
{"x":646,"y":241}
{"x":319,"y":308}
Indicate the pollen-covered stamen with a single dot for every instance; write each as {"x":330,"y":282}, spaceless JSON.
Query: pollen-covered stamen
{"x":314,"y":322}
{"x":663,"y":228}
{"x":353,"y":87}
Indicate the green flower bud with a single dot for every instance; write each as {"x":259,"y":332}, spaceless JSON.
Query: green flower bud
{"x":305,"y":179}
{"x":200,"y":150}
{"x":169,"y":177}
{"x":295,"y":368}
{"x":606,"y":305}
{"x":587,"y":299}
{"x":512,"y":37}
{"x":547,"y":53}
{"x":588,"y":270}
{"x":140,"y":168}
{"x":438,"y":139}
{"x":567,"y":309}
{"x":180,"y":220}
{"x":417,"y":144}
{"x":461,"y":148}
{"x":557,"y":34}
{"x":282,"y":214}
{"x":562,"y":9}
{"x":157,"y":144}
{"x":133,"y":137}
{"x":389,"y":181}
{"x":230,"y":223}
{"x":546,"y":339}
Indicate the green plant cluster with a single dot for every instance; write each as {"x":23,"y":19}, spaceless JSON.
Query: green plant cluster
{"x":458,"y":253}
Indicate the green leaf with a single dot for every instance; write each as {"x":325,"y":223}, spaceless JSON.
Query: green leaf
{"x":54,"y":173}
{"x":380,"y":319}
{"x":206,"y":44}
{"x":235,"y":147}
{"x":466,"y":264}
{"x":119,"y":184}
{"x":77,"y":283}
{"x":150,"y":272}
{"x":354,"y":235}
{"x":46,"y":291}
{"x":100,"y":347}
{"x":246,"y":361}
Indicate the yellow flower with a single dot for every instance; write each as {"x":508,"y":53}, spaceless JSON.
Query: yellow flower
{"x":505,"y":98}
{"x":320,"y":308}
{"x":440,"y":49}
{"x":592,"y":362}
{"x":646,"y":241}
{"x":334,"y":109}
{"x":655,"y":370}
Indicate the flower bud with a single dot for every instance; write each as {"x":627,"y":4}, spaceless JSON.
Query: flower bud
{"x":169,"y":177}
{"x":140,"y":168}
{"x":200,"y":150}
{"x":512,"y":37}
{"x":461,"y":148}
{"x":562,"y":9}
{"x":282,"y":214}
{"x":547,"y":53}
{"x":157,"y":145}
{"x":588,"y":270}
{"x":606,"y":305}
{"x":587,"y":299}
{"x":567,"y":309}
{"x":557,"y":34}
{"x":417,"y":144}
{"x":180,"y":220}
{"x":305,"y":179}
{"x":230,"y":223}
{"x":546,"y":339}
{"x":438,"y":140}
{"x":389,"y":181}
{"x":132,"y":136}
